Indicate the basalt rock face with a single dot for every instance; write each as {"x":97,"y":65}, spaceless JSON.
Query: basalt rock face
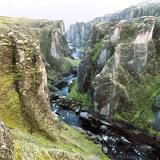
{"x":76,"y":35}
{"x":6,"y":144}
{"x":125,"y":71}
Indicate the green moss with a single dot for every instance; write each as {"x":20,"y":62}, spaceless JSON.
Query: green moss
{"x":80,"y":144}
{"x":68,"y":65}
{"x":17,"y":154}
{"x":74,"y":62}
{"x":71,"y":146}
{"x":127,"y":35}
{"x":10,"y":111}
{"x":83,"y":97}
{"x":96,"y":51}
{"x":141,"y":95}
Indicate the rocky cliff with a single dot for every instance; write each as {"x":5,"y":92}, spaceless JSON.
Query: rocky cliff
{"x":122,"y":73}
{"x":35,"y":132}
{"x":79,"y":33}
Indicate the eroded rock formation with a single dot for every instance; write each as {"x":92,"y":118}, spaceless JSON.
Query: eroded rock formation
{"x":123,"y":71}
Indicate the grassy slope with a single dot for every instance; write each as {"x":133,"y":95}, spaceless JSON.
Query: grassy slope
{"x":83,"y":97}
{"x":72,"y":144}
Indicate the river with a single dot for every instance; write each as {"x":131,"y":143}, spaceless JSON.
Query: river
{"x":114,"y":142}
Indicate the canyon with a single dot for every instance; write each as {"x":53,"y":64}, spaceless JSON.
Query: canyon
{"x":89,"y":93}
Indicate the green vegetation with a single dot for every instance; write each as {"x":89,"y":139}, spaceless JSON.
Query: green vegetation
{"x":83,"y":97}
{"x":74,"y":62}
{"x":71,"y":146}
{"x":127,"y":34}
{"x":10,"y":111}
{"x":96,"y":51}
{"x":142,"y":94}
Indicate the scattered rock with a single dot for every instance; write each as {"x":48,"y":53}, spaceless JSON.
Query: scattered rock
{"x":20,"y":42}
{"x":11,"y":34}
{"x":105,"y":138}
{"x":84,"y":115}
{"x":104,"y":128}
{"x":105,"y":150}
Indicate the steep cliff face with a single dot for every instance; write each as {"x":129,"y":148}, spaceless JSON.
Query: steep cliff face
{"x":24,"y":102}
{"x":125,"y":72}
{"x":24,"y":62}
{"x":92,"y":63}
{"x":75,"y":34}
{"x":78,"y":34}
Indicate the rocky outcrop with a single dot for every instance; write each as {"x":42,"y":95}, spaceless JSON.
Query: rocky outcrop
{"x":53,"y":44}
{"x":6,"y":144}
{"x":75,"y":33}
{"x":128,"y":60}
{"x":30,"y":80}
{"x":124,"y":72}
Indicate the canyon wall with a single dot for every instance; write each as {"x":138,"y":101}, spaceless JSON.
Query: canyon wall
{"x":79,"y":33}
{"x":120,"y":71}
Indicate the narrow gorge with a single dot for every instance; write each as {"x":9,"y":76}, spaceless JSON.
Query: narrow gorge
{"x":89,"y":93}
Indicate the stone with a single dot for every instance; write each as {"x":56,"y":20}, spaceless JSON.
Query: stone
{"x":1,"y":36}
{"x":84,"y":115}
{"x":105,"y":150}
{"x":100,"y":138}
{"x":11,"y":34}
{"x":20,"y":42}
{"x":6,"y":143}
{"x":77,"y":110}
{"x":103,"y":127}
{"x":105,"y":138}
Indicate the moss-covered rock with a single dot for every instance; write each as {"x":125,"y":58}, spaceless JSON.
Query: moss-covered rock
{"x":129,"y":82}
{"x":79,"y":96}
{"x":24,"y":100}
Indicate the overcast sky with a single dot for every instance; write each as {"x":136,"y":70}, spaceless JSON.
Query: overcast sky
{"x":70,"y":11}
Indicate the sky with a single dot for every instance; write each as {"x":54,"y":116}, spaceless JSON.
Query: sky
{"x":70,"y":11}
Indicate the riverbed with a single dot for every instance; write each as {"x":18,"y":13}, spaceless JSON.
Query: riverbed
{"x":113,"y":142}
